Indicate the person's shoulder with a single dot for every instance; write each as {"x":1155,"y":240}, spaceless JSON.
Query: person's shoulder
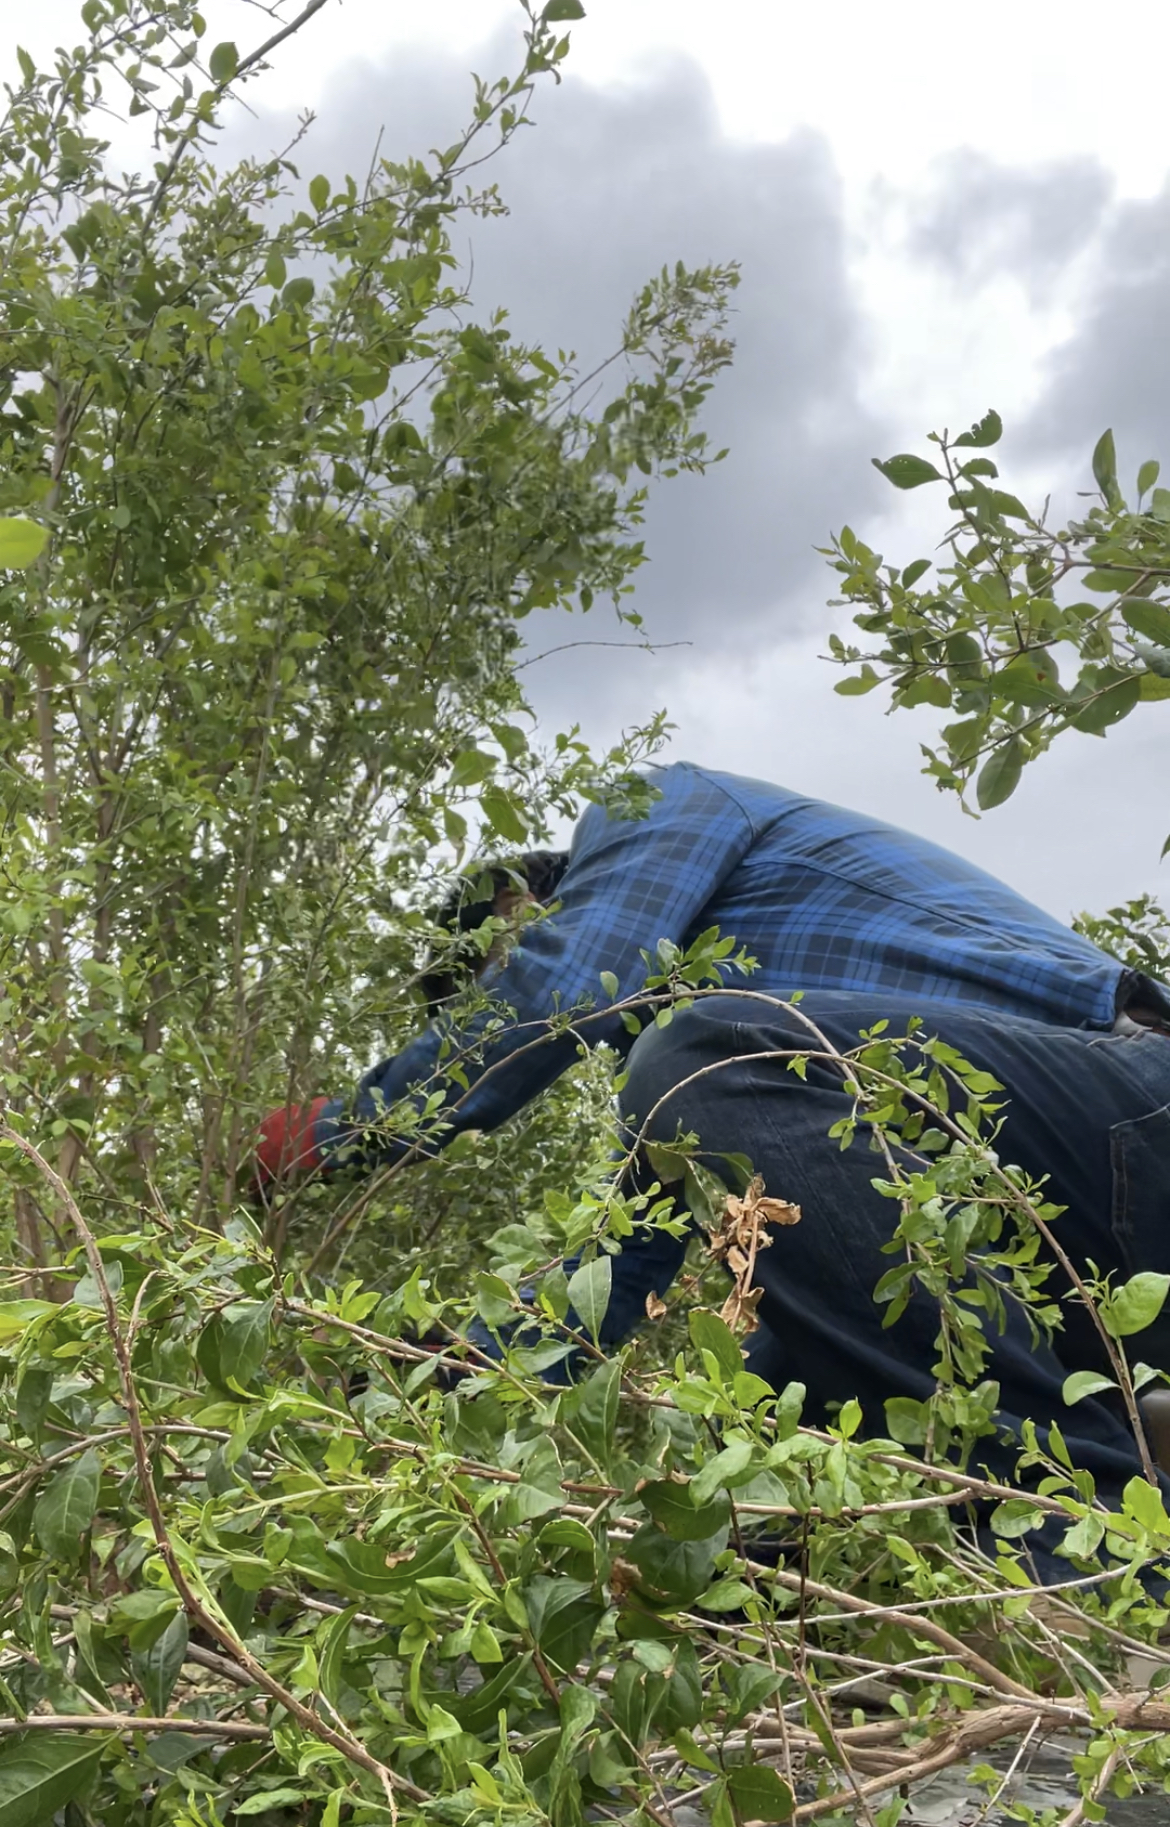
{"x":760,"y":800}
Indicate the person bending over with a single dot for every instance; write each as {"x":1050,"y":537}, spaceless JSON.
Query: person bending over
{"x":868,"y":923}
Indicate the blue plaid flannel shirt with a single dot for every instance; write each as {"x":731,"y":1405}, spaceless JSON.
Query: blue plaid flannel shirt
{"x":821,"y":897}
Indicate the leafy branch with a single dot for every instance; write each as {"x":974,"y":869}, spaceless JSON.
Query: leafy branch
{"x":983,"y":634}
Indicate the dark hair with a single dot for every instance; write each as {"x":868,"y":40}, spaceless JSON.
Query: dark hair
{"x":470,"y":903}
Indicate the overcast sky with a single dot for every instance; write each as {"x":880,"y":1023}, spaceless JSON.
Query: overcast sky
{"x":934,"y":213}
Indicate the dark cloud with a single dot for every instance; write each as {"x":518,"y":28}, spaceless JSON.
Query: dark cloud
{"x":608,"y":187}
{"x":981,"y":219}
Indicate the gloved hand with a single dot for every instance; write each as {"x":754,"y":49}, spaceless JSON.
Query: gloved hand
{"x":284,"y":1148}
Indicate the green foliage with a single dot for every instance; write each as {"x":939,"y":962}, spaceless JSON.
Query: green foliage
{"x":493,"y":1593}
{"x":274,"y":510}
{"x":984,"y":635}
{"x":1138,"y":934}
{"x":293,"y":505}
{"x":41,"y":1775}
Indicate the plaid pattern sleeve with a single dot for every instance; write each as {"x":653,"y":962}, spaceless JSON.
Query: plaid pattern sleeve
{"x":821,"y":897}
{"x":629,"y":883}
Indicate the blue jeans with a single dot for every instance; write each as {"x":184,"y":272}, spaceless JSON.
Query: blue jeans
{"x":1089,"y":1110}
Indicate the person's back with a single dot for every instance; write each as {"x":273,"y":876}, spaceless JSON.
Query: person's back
{"x":871,"y":924}
{"x":822,"y":898}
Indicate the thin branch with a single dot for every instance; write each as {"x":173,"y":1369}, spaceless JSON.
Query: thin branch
{"x":132,"y":1722}
{"x":568,"y":646}
{"x":249,"y":63}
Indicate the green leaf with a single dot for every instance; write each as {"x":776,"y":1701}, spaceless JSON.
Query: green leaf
{"x":470,"y":767}
{"x":1028,"y":681}
{"x":479,"y":1709}
{"x":223,"y":62}
{"x":1000,"y":502}
{"x":907,"y":471}
{"x":238,"y":1341}
{"x":1000,"y":774}
{"x":1147,"y":475}
{"x":693,"y":1753}
{"x":66,"y":1508}
{"x":557,"y":11}
{"x":1143,"y":1502}
{"x":17,"y":1315}
{"x":726,"y":1467}
{"x":1105,"y":466}
{"x":33,"y":1393}
{"x":1104,"y":581}
{"x":1135,"y":1305}
{"x":333,"y":1655}
{"x":563,"y":1615}
{"x":907,"y":1420}
{"x":759,"y":1794}
{"x":589,"y":1288}
{"x":1084,"y":1538}
{"x":495,"y":1299}
{"x":143,"y":1615}
{"x":1157,"y":659}
{"x":747,"y":1686}
{"x":504,"y":813}
{"x":856,"y":684}
{"x":673,"y":1572}
{"x":43,"y":1773}
{"x":710,"y":1333}
{"x":985,"y":432}
{"x":21,"y":543}
{"x":97,"y":1663}
{"x":1084,"y":1383}
{"x":157,"y":1668}
{"x":1108,"y":697}
{"x":610,"y":985}
{"x":673,"y":1507}
{"x":1149,"y":618}
{"x":849,"y":1419}
{"x":1016,"y":1517}
{"x":914,"y":571}
{"x":590,"y":1409}
{"x":299,"y":292}
{"x":726,"y":1595}
{"x":267,"y":1801}
{"x":319,"y":193}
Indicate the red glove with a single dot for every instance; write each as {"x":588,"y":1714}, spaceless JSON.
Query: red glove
{"x":284,"y":1147}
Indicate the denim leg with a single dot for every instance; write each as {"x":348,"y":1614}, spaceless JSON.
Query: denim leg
{"x":1070,"y":1093}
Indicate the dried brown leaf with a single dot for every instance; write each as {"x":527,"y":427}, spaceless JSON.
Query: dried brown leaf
{"x":742,"y":1233}
{"x":778,"y":1211}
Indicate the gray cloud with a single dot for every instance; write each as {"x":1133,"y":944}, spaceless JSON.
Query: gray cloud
{"x":981,"y":218}
{"x":607,"y":188}
{"x":1115,"y":369}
